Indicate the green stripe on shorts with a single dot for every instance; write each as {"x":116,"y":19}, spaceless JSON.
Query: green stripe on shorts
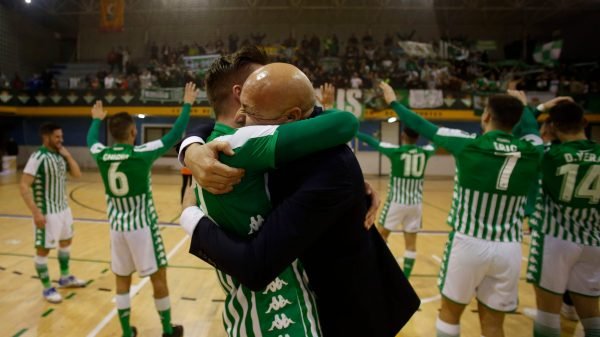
{"x":159,"y":248}
{"x":40,"y":237}
{"x":536,"y":257}
{"x":445,"y":261}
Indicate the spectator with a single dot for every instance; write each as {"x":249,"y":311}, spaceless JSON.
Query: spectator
{"x":356,"y":82}
{"x":109,"y":81}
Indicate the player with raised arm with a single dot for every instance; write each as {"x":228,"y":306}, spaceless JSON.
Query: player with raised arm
{"x":43,"y":188}
{"x":494,"y":174}
{"x":565,"y":239}
{"x":136,"y":243}
{"x":403,"y":207}
{"x":276,"y":101}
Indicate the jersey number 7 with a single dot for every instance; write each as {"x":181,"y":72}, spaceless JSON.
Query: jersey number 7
{"x":507,"y":169}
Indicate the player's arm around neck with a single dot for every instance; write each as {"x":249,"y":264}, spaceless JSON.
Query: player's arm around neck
{"x":301,"y":138}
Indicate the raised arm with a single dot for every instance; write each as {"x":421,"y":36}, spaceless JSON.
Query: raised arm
{"x":451,"y":139}
{"x":174,"y":135}
{"x":307,"y":136}
{"x":98,"y":114}
{"x":408,"y":117}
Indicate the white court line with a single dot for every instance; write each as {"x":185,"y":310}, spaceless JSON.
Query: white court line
{"x":431,"y":299}
{"x":133,"y":291}
{"x":436,"y":258}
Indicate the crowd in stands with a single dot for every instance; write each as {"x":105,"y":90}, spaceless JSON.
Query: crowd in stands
{"x":359,"y":63}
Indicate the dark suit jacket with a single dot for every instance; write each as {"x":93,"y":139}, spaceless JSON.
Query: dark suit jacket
{"x":319,"y":210}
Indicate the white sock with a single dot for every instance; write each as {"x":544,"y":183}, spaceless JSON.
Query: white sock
{"x":40,"y":259}
{"x":123,"y":301}
{"x":446,"y":329}
{"x":409,"y":254}
{"x":591,"y":326}
{"x":162,"y":304}
{"x":548,"y":319}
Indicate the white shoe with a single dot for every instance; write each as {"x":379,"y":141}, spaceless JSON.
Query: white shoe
{"x":52,"y":296}
{"x":71,"y":282}
{"x":530,"y":312}
{"x":569,"y":312}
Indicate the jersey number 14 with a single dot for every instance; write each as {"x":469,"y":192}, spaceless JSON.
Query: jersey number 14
{"x":589,"y":187}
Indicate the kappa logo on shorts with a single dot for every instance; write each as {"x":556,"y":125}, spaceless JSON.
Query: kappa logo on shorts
{"x":277,"y":302}
{"x":281,"y":322}
{"x":274,"y":286}
{"x":255,"y":223}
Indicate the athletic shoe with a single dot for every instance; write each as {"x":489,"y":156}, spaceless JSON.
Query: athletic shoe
{"x":530,"y":312}
{"x":52,"y":296}
{"x":569,"y":312}
{"x":177,"y":331}
{"x":71,"y":282}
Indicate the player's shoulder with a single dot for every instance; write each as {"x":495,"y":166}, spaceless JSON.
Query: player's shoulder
{"x":150,"y":146}
{"x":456,"y":133}
{"x":39,"y":154}
{"x":246,"y":134}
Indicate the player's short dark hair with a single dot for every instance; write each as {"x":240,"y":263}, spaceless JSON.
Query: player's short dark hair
{"x":412,"y":134}
{"x":230,"y":70}
{"x":506,"y":110}
{"x":48,"y":128}
{"x":567,"y":117}
{"x":119,"y":124}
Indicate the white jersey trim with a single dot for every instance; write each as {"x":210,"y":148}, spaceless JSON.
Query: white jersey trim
{"x":243,"y":135}
{"x":446,"y":132}
{"x":151,"y":146}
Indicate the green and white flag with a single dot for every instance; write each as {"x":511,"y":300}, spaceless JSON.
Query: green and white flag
{"x":548,"y":52}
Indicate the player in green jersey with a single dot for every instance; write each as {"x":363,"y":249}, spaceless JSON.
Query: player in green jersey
{"x":403,"y":207}
{"x":494,"y":174}
{"x":43,"y":188}
{"x":277,"y":94}
{"x":136,"y":243}
{"x":565,"y":241}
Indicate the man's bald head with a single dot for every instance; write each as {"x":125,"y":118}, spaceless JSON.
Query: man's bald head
{"x":277,"y":93}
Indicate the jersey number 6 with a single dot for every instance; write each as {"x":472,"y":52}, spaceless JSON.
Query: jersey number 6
{"x":117,"y":181}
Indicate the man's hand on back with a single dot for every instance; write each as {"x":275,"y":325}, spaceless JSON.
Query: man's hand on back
{"x":210,"y":174}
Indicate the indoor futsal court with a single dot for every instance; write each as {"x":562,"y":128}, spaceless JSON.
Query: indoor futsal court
{"x":196,"y":295}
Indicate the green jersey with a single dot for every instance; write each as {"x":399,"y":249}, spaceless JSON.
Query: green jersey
{"x":494,"y":173}
{"x":286,"y":307}
{"x":125,"y":171}
{"x":49,"y":170}
{"x":408,"y":169}
{"x":568,"y":207}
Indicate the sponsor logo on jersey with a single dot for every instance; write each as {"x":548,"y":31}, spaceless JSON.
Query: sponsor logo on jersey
{"x":115,"y":156}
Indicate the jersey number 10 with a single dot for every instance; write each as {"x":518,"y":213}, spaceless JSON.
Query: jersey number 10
{"x":414,"y":164}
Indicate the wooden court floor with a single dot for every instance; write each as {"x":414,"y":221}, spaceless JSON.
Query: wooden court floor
{"x":196,"y":297}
